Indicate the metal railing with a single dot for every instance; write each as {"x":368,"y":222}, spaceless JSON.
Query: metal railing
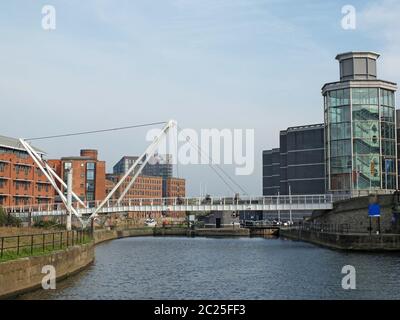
{"x":343,"y":228}
{"x":186,"y":202}
{"x":258,"y":223}
{"x":26,"y":245}
{"x":322,"y":227}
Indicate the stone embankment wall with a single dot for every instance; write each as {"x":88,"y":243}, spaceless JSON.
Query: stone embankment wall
{"x":25,"y":274}
{"x":354,"y":212}
{"x":356,"y":235}
{"x":358,"y":242}
{"x":106,"y":235}
{"x":222,"y":232}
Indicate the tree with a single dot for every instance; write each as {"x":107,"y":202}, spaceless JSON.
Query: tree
{"x":3,"y":217}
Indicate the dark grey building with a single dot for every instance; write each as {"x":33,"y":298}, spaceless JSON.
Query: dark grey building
{"x":158,"y":166}
{"x":271,"y":172}
{"x":298,"y":164}
{"x":398,"y":144}
{"x":221,"y":219}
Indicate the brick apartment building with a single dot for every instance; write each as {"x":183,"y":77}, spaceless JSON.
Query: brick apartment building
{"x":144,"y":186}
{"x":21,"y":181}
{"x":174,"y":187}
{"x":88,"y":174}
{"x":149,"y":187}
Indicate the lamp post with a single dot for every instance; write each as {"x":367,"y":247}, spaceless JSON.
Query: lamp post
{"x":387,"y":167}
{"x":69,"y":198}
{"x":279,"y":210}
{"x":290,"y":207}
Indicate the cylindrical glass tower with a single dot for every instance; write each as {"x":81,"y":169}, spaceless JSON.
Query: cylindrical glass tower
{"x":360,"y":133}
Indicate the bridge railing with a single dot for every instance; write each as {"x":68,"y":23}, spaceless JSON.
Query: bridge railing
{"x":186,"y":201}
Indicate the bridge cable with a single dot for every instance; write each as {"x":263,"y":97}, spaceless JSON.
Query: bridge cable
{"x":225,"y":173}
{"x":216,"y":165}
{"x":96,"y":131}
{"x":218,"y":174}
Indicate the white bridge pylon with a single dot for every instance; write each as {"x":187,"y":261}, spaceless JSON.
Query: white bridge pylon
{"x":52,"y":176}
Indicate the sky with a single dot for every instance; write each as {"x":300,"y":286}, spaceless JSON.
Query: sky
{"x":236,"y":64}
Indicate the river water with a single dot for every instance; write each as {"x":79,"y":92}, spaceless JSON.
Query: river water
{"x":226,"y":268}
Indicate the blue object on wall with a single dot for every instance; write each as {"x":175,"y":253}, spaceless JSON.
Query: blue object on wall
{"x":374,"y":210}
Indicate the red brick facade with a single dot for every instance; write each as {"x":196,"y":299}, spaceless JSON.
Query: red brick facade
{"x":21,"y":181}
{"x":144,"y":187}
{"x":175,"y":188}
{"x":88,"y":175}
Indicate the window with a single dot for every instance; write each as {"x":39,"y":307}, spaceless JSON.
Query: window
{"x":340,"y":131}
{"x":388,"y":147}
{"x":365,"y":96}
{"x":67,"y":165}
{"x":365,"y":112}
{"x":388,"y":130}
{"x":90,"y":166}
{"x":339,"y":114}
{"x":340,"y":148}
{"x":90,"y":175}
{"x":387,"y":114}
{"x":387,"y":98}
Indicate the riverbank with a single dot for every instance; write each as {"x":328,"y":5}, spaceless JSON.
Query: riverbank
{"x":351,"y":241}
{"x":25,"y":274}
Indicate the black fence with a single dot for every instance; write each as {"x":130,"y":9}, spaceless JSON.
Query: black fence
{"x":324,"y":227}
{"x":23,"y":245}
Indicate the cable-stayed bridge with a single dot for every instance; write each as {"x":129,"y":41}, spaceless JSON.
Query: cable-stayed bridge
{"x":85,"y":212}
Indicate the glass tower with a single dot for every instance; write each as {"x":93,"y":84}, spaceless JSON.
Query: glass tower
{"x":360,"y":132}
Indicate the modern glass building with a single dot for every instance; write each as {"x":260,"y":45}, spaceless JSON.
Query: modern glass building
{"x":360,"y":128}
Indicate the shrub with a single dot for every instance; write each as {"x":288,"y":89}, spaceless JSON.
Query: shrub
{"x":49,"y":224}
{"x":8,"y":219}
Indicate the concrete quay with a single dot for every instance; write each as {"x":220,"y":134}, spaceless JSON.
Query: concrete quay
{"x":352,"y":242}
{"x":348,"y":226}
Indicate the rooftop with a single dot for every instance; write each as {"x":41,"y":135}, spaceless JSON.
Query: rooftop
{"x":306,"y":127}
{"x":357,"y":54}
{"x":14,"y":144}
{"x":77,"y":158}
{"x":302,"y":128}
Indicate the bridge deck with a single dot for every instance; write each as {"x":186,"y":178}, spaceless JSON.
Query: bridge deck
{"x":269,"y":203}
